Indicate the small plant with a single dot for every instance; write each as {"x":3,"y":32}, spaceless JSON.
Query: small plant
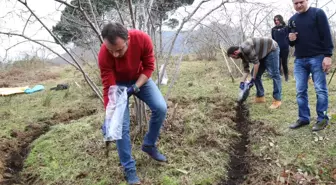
{"x":67,"y":93}
{"x":47,"y":100}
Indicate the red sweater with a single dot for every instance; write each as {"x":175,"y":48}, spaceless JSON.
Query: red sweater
{"x":138,"y":59}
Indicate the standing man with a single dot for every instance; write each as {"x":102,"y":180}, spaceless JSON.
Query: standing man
{"x":313,"y":50}
{"x":264,"y":54}
{"x":126,"y":58}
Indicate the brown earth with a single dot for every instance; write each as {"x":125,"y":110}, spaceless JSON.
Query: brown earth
{"x":13,"y":151}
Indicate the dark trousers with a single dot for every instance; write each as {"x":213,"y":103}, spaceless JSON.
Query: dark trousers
{"x":283,"y":61}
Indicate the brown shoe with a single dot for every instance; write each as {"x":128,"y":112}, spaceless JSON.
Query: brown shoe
{"x":276,"y":104}
{"x":260,"y":99}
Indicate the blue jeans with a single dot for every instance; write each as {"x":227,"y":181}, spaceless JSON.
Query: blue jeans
{"x":302,"y":68}
{"x":151,"y":95}
{"x":271,"y":64}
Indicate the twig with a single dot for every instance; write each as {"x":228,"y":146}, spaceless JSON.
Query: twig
{"x":118,"y":10}
{"x":175,"y":37}
{"x":92,"y":85}
{"x":131,"y":12}
{"x":227,"y":63}
{"x":24,"y":28}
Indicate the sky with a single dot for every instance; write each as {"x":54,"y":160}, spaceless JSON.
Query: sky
{"x":13,"y":19}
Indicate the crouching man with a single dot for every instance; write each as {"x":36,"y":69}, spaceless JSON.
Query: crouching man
{"x":126,"y":58}
{"x":264,"y":54}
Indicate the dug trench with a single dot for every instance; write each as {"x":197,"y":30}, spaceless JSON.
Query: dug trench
{"x":13,"y":151}
{"x":238,"y":168}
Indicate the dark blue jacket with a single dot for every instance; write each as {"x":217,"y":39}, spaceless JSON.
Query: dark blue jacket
{"x":280,"y":35}
{"x":314,"y":37}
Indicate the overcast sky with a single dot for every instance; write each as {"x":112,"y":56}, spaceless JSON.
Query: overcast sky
{"x":11,"y":21}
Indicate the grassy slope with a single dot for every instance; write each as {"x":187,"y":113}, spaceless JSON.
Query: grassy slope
{"x":195,"y":141}
{"x":278,"y":148}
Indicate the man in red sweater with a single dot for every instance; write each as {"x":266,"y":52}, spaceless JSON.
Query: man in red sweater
{"x":126,"y":58}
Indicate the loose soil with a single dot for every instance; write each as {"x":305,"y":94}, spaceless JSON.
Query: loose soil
{"x":13,"y":151}
{"x":239,"y":163}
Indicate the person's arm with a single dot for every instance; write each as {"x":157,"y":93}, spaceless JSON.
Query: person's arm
{"x":246,"y":67}
{"x":325,"y":36}
{"x":252,"y":56}
{"x":255,"y":70}
{"x":291,"y":33}
{"x":324,"y":32}
{"x":106,"y":72}
{"x":148,"y":61}
{"x":272,"y":33}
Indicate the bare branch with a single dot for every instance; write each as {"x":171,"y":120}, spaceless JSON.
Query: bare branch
{"x":331,"y":15}
{"x":39,"y":43}
{"x":79,"y":67}
{"x":80,"y":8}
{"x":186,"y":40}
{"x":90,"y":22}
{"x":176,"y":34}
{"x":67,"y":4}
{"x":131,"y":12}
{"x":94,"y":16}
{"x":326,"y":3}
{"x":118,"y":10}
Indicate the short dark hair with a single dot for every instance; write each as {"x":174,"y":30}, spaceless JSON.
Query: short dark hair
{"x":112,"y":30}
{"x":231,"y":50}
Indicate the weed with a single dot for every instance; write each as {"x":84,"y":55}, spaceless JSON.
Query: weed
{"x":47,"y":100}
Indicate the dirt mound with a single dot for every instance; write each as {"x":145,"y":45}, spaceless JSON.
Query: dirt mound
{"x":16,"y":150}
{"x":13,"y":151}
{"x":72,"y":114}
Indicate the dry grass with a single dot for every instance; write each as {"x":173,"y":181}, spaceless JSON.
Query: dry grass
{"x":27,"y":72}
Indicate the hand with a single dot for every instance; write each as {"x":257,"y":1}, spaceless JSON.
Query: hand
{"x":241,"y":85}
{"x":130,"y":91}
{"x":326,"y":64}
{"x":292,"y":36}
{"x":251,"y":83}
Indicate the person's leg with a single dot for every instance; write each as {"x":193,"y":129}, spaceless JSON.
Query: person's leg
{"x":258,"y":81}
{"x":301,"y":73}
{"x":284,"y":60}
{"x":320,"y":84}
{"x":151,"y":95}
{"x":272,"y":66}
{"x":124,"y":149}
{"x":280,"y":61}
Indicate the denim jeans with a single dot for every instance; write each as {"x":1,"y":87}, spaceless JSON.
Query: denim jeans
{"x":302,"y":68}
{"x":271,"y":64}
{"x":151,"y":95}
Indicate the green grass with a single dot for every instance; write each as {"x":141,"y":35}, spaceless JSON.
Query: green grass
{"x":196,"y":139}
{"x":311,"y":152}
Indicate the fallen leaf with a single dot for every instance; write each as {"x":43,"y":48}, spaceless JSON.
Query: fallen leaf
{"x":333,"y":174}
{"x":284,"y":173}
{"x":182,"y":171}
{"x":271,"y":144}
{"x":282,"y":180}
